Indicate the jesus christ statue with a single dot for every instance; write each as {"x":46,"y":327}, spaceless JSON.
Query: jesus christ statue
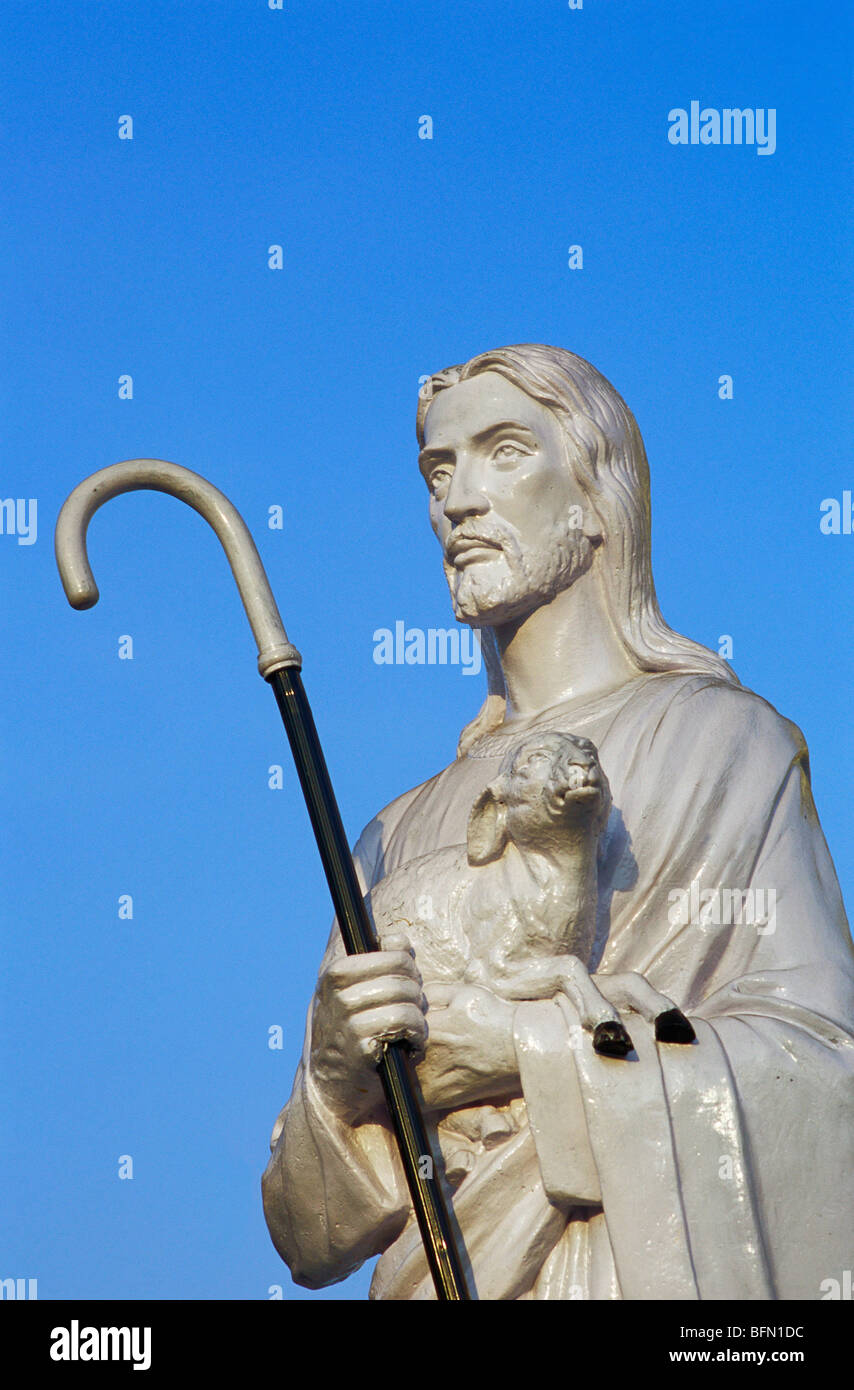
{"x":713,"y":1162}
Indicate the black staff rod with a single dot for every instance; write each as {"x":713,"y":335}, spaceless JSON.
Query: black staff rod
{"x":279,"y":663}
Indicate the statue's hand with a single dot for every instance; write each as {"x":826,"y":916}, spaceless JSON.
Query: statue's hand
{"x":361,"y":1003}
{"x":470,"y":1051}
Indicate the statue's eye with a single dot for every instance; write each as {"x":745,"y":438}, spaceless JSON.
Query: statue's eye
{"x":439,"y":481}
{"x":509,"y":451}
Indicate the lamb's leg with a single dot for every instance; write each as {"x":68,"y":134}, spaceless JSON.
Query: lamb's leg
{"x":632,"y":991}
{"x":542,"y":979}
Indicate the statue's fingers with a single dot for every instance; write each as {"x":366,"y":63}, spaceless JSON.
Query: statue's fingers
{"x":381,"y":992}
{"x":395,"y":939}
{"x":392,"y":1023}
{"x":371,"y":965}
{"x":439,"y":994}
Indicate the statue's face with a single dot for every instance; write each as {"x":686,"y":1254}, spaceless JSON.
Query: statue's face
{"x":503,"y":501}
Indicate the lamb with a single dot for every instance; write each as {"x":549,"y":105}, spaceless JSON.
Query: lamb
{"x":515,"y":908}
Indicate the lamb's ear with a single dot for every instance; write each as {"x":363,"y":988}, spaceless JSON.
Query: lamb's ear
{"x":487,"y":830}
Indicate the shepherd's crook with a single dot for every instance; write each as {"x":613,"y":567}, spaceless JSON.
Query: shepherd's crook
{"x":279,"y":663}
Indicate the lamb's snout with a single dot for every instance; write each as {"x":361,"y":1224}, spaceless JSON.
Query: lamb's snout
{"x":577,"y":777}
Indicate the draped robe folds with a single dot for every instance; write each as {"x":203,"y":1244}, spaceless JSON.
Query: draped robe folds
{"x":716,"y":1170}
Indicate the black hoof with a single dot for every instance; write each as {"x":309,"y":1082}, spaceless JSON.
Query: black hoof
{"x":611,"y":1040}
{"x":673,"y":1027}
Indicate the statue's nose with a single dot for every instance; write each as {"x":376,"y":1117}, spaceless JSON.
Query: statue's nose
{"x":466,"y":495}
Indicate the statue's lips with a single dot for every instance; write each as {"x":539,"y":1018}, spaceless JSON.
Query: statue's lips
{"x":465,"y":551}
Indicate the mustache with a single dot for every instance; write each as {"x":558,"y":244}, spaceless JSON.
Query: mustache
{"x":490,"y":531}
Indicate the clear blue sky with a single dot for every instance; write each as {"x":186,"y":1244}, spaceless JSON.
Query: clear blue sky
{"x":299,"y":127}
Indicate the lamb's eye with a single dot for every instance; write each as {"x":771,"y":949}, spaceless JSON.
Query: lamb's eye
{"x":534,"y":762}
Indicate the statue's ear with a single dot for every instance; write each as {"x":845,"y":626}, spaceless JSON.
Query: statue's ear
{"x":487,"y":831}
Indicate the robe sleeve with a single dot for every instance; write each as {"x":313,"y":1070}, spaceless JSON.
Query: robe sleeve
{"x":724,"y":1166}
{"x":334,"y":1194}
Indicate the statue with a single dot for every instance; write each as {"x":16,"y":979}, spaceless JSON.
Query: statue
{"x":611,"y":928}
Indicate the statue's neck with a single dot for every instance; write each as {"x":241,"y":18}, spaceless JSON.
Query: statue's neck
{"x":564,"y":650}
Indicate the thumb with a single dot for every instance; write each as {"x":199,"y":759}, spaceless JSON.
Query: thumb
{"x":395,"y":940}
{"x":439,"y":994}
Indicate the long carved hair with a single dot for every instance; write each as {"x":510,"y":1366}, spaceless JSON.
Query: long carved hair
{"x":606,"y":452}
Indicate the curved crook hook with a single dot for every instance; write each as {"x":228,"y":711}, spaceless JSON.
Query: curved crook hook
{"x":157,"y":475}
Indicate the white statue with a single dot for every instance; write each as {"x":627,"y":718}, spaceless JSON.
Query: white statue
{"x":714,"y":1160}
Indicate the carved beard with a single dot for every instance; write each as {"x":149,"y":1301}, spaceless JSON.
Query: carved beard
{"x":517,"y":580}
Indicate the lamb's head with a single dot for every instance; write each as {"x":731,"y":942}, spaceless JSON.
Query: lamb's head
{"x":550,"y":787}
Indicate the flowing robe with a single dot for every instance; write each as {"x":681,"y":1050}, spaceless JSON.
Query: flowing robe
{"x":716,"y":1170}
